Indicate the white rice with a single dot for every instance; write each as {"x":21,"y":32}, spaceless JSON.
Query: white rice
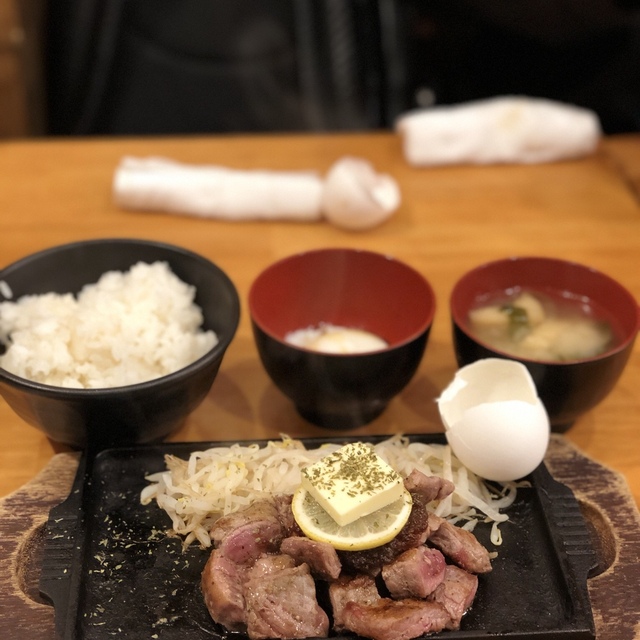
{"x":5,"y":290}
{"x":127,"y":328}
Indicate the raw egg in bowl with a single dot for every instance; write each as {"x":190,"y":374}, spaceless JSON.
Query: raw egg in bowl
{"x":572,"y":326}
{"x":341,"y":331}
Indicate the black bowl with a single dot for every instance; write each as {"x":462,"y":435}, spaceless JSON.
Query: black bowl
{"x":143,"y":412}
{"x":349,"y":288}
{"x":567,"y":389}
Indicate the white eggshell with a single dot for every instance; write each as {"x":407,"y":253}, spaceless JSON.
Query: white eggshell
{"x":356,"y":197}
{"x":495,"y":422}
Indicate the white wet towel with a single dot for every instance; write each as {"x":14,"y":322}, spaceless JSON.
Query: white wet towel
{"x":353,"y":196}
{"x":498,"y":130}
{"x":161,"y":184}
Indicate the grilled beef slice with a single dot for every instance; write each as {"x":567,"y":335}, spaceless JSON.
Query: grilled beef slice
{"x":321,"y":557}
{"x":456,"y":593}
{"x":461,"y":546}
{"x":269,"y":564}
{"x":246,"y":535}
{"x":282,"y":604}
{"x":388,"y":619}
{"x":289,"y":525}
{"x":431,"y":487}
{"x":415,"y":573}
{"x":222,"y":587}
{"x":361,"y":589}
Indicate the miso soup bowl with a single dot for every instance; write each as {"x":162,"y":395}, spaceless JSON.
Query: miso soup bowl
{"x":567,"y":389}
{"x":135,"y":413}
{"x":346,"y":288}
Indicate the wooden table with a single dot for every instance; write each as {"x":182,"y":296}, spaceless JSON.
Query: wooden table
{"x":451,"y":220}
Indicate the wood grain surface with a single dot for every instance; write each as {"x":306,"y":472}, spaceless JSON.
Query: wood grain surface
{"x":624,"y":155}
{"x":451,"y":219}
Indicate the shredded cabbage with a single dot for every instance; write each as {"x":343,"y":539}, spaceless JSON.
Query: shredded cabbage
{"x":196,"y":492}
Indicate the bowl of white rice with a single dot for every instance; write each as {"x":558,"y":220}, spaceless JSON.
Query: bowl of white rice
{"x":112,"y":341}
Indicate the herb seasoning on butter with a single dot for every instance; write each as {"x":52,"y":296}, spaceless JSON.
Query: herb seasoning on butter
{"x":352,"y":482}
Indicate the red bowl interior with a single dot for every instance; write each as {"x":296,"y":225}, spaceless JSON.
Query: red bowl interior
{"x":554,"y":277}
{"x":344,"y":287}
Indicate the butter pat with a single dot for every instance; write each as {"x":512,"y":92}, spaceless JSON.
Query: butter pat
{"x":352,"y":482}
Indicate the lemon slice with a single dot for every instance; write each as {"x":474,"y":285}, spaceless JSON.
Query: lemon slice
{"x":367,"y":532}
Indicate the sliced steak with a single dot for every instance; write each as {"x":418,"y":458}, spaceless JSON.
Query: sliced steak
{"x":361,"y":589}
{"x":431,"y":487}
{"x":461,"y":546}
{"x":321,"y":557}
{"x":283,"y":604}
{"x":245,"y":535}
{"x":456,"y":593}
{"x":414,"y":534}
{"x":415,"y":573}
{"x":222,"y":587}
{"x":285,"y":514}
{"x":389,"y":619}
{"x":266,"y":565}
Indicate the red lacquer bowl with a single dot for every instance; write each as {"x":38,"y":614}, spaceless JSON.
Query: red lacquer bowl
{"x":567,"y":389}
{"x":349,"y":288}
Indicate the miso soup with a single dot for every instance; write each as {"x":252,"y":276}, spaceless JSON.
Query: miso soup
{"x":535,"y":326}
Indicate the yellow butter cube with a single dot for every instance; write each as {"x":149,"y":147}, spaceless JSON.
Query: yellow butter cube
{"x":352,"y":482}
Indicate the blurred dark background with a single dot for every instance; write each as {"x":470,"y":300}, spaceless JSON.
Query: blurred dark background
{"x":195,"y":66}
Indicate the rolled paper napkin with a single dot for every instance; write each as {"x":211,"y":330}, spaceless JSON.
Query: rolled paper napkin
{"x":498,"y":130}
{"x":353,"y":196}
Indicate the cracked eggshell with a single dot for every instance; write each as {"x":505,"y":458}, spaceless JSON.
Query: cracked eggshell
{"x":356,"y":197}
{"x":495,"y":423}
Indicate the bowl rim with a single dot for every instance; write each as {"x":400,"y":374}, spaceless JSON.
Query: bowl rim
{"x":460,"y":322}
{"x":70,"y":393}
{"x":425,"y":325}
